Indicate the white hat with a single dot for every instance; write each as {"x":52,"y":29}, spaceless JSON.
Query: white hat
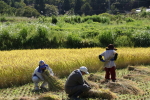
{"x":84,"y":69}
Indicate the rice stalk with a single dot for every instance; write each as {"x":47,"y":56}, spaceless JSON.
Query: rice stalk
{"x":99,"y":93}
{"x":54,"y":84}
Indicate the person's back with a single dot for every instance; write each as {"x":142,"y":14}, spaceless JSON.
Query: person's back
{"x":108,"y":56}
{"x":75,"y":85}
{"x":74,"y":79}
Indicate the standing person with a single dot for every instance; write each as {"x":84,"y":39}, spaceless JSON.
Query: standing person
{"x":110,"y":55}
{"x":75,"y":85}
{"x":37,"y":77}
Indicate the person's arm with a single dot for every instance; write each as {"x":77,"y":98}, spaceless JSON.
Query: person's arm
{"x":79,"y":79}
{"x":50,"y":70}
{"x":101,"y":59}
{"x":86,"y":83}
{"x":101,"y":56}
{"x":116,"y":56}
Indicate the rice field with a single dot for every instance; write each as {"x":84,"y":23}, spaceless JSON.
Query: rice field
{"x":17,"y":66}
{"x":25,"y":92}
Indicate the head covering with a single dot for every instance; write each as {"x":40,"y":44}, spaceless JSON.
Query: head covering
{"x":111,"y":47}
{"x":84,"y":69}
{"x":41,"y":66}
{"x":42,"y":61}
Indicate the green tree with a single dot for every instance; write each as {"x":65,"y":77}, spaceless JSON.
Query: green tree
{"x":6,"y":9}
{"x":8,"y":2}
{"x":19,"y":4}
{"x":40,"y":6}
{"x":66,"y":5}
{"x":3,"y":7}
{"x":86,"y":8}
{"x":51,"y":10}
{"x":99,"y":6}
{"x":29,"y":12}
{"x":78,"y":5}
{"x":29,"y":2}
{"x":20,"y":12}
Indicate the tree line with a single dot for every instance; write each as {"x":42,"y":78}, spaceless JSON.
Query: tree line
{"x":29,"y":8}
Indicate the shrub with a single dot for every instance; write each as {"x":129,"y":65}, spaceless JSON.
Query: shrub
{"x":123,"y":41}
{"x":89,"y":43}
{"x":96,"y":18}
{"x":141,"y":38}
{"x":90,"y":34}
{"x":29,"y":12}
{"x":54,"y":20}
{"x":110,"y":16}
{"x":128,"y":19}
{"x":106,"y":38}
{"x":73,"y":19}
{"x":5,"y":40}
{"x":39,"y":39}
{"x":22,"y":37}
{"x":77,"y":19}
{"x":3,"y":19}
{"x":74,"y":41}
{"x":51,"y":10}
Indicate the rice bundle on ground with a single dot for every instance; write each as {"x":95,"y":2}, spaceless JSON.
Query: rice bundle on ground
{"x":139,"y":69}
{"x":94,"y":84}
{"x":124,"y":87}
{"x":99,"y":93}
{"x":94,"y":78}
{"x":48,"y":96}
{"x":22,"y":98}
{"x":54,"y":84}
{"x":137,"y":77}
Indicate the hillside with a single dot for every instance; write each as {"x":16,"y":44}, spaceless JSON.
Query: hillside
{"x":36,"y":8}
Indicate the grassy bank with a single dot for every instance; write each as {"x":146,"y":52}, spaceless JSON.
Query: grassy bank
{"x":90,"y":31}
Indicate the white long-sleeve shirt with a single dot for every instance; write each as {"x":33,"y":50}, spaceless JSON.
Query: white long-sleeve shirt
{"x":38,"y":74}
{"x":109,"y":54}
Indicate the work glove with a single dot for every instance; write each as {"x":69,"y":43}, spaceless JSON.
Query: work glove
{"x":102,"y":60}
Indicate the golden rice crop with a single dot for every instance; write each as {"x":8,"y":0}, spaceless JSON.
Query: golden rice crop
{"x":54,"y":84}
{"x":17,"y":66}
{"x":99,"y":93}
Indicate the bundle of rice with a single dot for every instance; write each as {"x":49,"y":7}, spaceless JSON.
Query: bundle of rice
{"x":48,"y":96}
{"x":21,"y":98}
{"x":137,"y":77}
{"x":131,"y":68}
{"x":94,"y":85}
{"x":54,"y":84}
{"x":94,"y":78}
{"x":124,"y":87}
{"x":140,"y":69}
{"x":99,"y":93}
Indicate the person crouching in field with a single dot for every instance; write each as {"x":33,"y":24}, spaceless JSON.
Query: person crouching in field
{"x":75,"y":85}
{"x":110,"y":55}
{"x":37,"y":77}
